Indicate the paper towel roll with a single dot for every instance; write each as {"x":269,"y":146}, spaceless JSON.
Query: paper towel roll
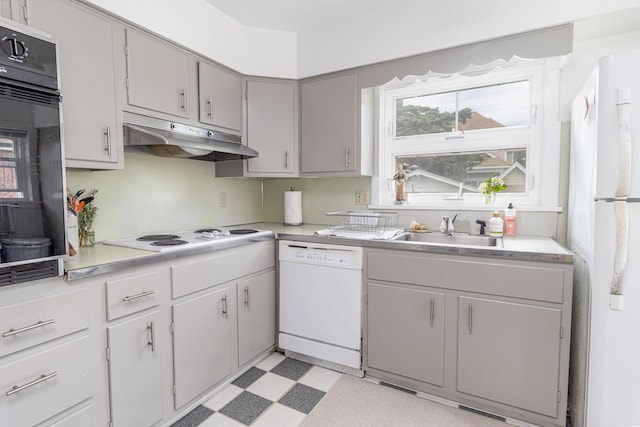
{"x":292,"y":207}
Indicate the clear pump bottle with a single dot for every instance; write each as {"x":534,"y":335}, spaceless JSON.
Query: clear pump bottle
{"x":496,"y":225}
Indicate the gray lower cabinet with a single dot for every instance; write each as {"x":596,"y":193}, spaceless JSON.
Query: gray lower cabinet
{"x":256,"y":316}
{"x":16,"y":10}
{"x":509,"y":352}
{"x":489,"y":333}
{"x":92,"y":137}
{"x":406,"y":331}
{"x":201,"y":343}
{"x":135,"y":371}
{"x":329,"y":117}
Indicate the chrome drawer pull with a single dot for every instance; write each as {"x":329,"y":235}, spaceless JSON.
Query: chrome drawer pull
{"x":18,"y":388}
{"x":246,"y":296}
{"x":432,"y":312}
{"x":140,"y":295}
{"x":152,"y":337}
{"x":28,"y":328}
{"x":224,"y":306}
{"x":470,"y":319}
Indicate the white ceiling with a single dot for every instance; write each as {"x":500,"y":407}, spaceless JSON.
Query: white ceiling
{"x":294,"y":15}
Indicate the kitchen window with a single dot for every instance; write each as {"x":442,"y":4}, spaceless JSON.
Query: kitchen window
{"x":452,"y":132}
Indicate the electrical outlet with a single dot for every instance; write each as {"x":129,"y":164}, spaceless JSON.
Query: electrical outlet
{"x":222,"y":200}
{"x":362,"y":197}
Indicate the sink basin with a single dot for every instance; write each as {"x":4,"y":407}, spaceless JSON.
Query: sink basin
{"x":456,"y":239}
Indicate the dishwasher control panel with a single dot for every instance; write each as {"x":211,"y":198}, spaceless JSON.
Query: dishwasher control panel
{"x":321,"y":254}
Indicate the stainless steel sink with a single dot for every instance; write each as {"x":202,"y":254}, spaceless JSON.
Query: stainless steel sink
{"x":456,"y":239}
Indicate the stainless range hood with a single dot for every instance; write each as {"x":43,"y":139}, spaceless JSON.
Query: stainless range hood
{"x":171,"y":139}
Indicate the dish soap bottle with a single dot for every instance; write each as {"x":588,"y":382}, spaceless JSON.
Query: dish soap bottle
{"x":496,"y":225}
{"x":510,"y":221}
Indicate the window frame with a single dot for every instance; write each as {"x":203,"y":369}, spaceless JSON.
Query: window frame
{"x":540,"y":137}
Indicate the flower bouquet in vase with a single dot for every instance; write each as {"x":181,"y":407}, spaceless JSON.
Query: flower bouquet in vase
{"x":490,"y":188}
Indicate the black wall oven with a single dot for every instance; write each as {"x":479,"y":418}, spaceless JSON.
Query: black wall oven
{"x":32,"y":193}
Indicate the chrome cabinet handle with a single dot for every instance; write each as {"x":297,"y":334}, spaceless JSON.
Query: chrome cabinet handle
{"x":209,"y":108}
{"x":432,"y":312}
{"x":347,"y":157}
{"x":470,"y":320}
{"x":246,"y":295}
{"x":224,"y":306}
{"x":107,"y":144}
{"x":183,"y":103}
{"x":39,"y":324}
{"x":18,"y":388}
{"x":140,"y":295}
{"x":286,"y":160}
{"x":152,"y":336}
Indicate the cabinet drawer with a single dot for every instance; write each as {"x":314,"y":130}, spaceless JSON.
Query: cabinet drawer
{"x":221,"y":267}
{"x":79,"y":418}
{"x":134,"y":293}
{"x":33,"y":322}
{"x":518,"y":279}
{"x":44,"y":384}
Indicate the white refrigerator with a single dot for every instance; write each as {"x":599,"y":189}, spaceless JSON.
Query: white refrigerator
{"x":604,"y":234}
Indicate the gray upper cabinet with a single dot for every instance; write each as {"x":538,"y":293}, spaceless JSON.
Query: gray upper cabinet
{"x":160,"y":77}
{"x":220,"y":97}
{"x":329,"y":120}
{"x":272,"y":127}
{"x":92,"y":137}
{"x":16,"y":10}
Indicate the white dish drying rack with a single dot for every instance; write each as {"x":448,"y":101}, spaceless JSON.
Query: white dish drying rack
{"x":362,"y":224}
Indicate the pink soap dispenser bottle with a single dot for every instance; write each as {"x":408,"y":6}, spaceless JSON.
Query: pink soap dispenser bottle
{"x":510,"y":220}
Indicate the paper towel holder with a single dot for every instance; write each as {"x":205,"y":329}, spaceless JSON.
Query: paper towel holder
{"x":293,"y":207}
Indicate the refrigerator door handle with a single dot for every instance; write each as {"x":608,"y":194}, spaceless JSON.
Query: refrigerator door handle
{"x":620,"y":256}
{"x":624,"y":141}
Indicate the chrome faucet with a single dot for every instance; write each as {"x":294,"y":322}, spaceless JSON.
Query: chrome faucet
{"x":446,"y":226}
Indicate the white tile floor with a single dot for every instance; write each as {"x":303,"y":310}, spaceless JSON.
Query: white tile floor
{"x":271,"y":387}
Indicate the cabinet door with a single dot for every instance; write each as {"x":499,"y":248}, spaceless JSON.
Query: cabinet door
{"x":271,"y":128}
{"x":329,"y":117}
{"x":201,"y":344}
{"x":135,"y":372}
{"x":256,"y":316}
{"x":16,"y":10}
{"x":220,"y":94}
{"x":509,"y":353}
{"x":87,"y":81}
{"x":405,"y":332}
{"x":157,"y":75}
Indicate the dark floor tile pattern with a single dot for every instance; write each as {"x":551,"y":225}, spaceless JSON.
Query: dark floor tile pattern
{"x":302,"y":398}
{"x":247,"y":407}
{"x":249,"y":377}
{"x":291,"y":368}
{"x":194,"y":418}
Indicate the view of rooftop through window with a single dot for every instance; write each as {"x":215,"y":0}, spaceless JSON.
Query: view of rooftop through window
{"x":488,"y":107}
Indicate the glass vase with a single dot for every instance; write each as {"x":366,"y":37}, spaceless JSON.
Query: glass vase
{"x":87,"y":237}
{"x":490,"y":199}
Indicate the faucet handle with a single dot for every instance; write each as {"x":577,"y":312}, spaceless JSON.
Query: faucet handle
{"x":482,"y":224}
{"x":444,"y":225}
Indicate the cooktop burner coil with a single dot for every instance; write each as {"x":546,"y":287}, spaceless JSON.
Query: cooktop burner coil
{"x":169,"y":242}
{"x":157,"y":237}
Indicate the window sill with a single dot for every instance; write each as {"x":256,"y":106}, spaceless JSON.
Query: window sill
{"x":447,"y":207}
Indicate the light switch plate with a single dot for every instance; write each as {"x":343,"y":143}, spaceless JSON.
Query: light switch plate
{"x":362,"y":197}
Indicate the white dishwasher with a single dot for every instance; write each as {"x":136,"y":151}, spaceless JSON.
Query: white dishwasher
{"x":320,"y":306}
